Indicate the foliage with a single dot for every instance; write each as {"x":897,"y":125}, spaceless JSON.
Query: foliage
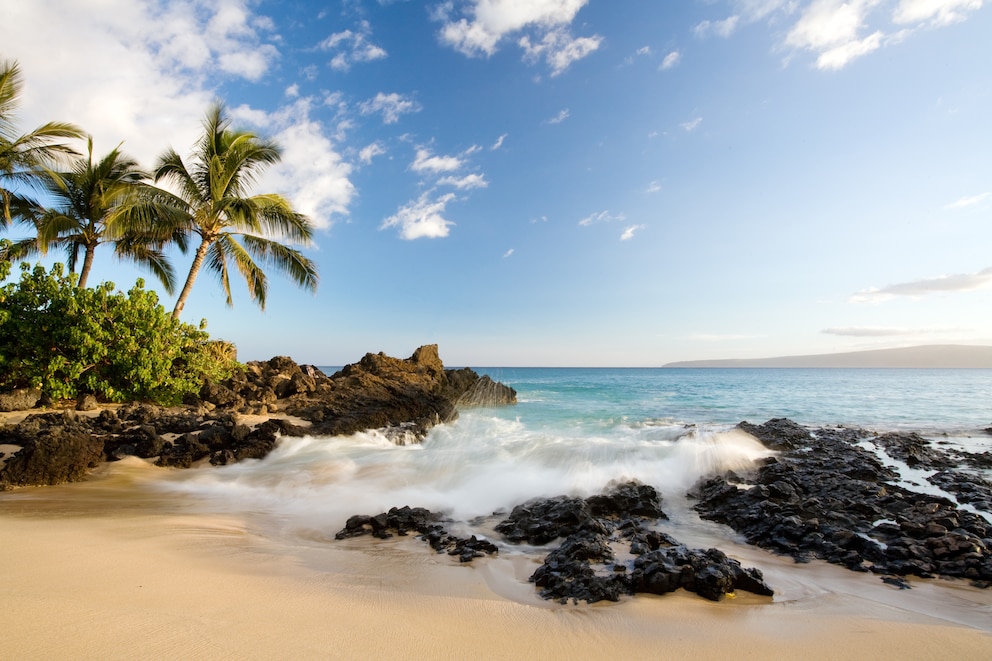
{"x":121,"y":347}
{"x":219,"y":209}
{"x":24,"y":157}
{"x":106,"y":201}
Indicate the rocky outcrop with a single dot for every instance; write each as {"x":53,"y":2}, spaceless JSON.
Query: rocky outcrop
{"x":55,"y":448}
{"x":826,"y":496}
{"x":403,"y":397}
{"x":584,"y":566}
{"x":429,"y":525}
{"x":20,"y":399}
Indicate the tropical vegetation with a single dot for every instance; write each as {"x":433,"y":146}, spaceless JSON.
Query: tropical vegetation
{"x":220,"y":210}
{"x":61,"y":335}
{"x":67,"y":341}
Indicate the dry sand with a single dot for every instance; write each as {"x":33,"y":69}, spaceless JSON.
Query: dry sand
{"x":101,"y":570}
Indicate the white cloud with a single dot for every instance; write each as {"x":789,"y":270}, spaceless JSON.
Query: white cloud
{"x":720,"y":337}
{"x":917,"y":288}
{"x":643,"y":50}
{"x":486,"y":23}
{"x":560,"y":117}
{"x":508,"y":253}
{"x":422,"y":218}
{"x":670,"y":60}
{"x":937,"y":12}
{"x":312,"y":173}
{"x":467,"y":182}
{"x":499,"y":142}
{"x":390,"y":106}
{"x":832,"y":29}
{"x":601,"y":217}
{"x":559,"y":49}
{"x":970,"y":201}
{"x":653,"y":187}
{"x":367,"y":153}
{"x":144,"y":74}
{"x":692,"y":124}
{"x":628,"y":233}
{"x":425,"y":161}
{"x":723,"y":28}
{"x":351,"y":47}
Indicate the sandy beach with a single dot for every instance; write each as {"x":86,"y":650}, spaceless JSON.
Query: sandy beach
{"x":106,"y":570}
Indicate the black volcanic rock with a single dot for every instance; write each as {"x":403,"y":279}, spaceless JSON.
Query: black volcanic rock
{"x":403,"y":397}
{"x":828,"y":497}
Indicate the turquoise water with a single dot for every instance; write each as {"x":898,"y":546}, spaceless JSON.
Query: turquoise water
{"x":930,"y":400}
{"x":576,"y":430}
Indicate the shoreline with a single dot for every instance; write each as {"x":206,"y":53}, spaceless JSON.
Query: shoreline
{"x":151,"y":570}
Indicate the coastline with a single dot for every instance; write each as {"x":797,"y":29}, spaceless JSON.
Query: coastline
{"x":150,"y":571}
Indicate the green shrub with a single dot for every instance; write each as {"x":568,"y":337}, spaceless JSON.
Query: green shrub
{"x":120,"y":347}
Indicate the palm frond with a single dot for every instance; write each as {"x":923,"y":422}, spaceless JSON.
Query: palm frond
{"x":290,"y":261}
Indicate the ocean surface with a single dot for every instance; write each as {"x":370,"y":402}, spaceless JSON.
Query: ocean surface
{"x":573,"y":431}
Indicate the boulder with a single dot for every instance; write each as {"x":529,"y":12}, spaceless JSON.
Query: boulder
{"x":20,"y":399}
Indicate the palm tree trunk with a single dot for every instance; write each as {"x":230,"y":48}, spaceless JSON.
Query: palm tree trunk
{"x":84,"y":274}
{"x":194,"y":269}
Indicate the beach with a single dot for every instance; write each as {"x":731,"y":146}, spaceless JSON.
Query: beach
{"x":106,"y":569}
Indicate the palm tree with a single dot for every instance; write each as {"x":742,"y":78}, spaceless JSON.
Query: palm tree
{"x":23,"y":158}
{"x":225,"y":163}
{"x":107,"y":201}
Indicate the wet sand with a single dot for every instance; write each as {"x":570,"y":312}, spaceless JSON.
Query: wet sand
{"x":107,"y":570}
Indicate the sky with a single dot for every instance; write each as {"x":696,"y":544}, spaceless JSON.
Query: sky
{"x":565,"y":182}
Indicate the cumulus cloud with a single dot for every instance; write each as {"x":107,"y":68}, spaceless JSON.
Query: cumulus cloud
{"x":670,"y":60}
{"x":145,"y":70}
{"x":628,"y":233}
{"x":601,"y":217}
{"x":723,"y":28}
{"x":147,"y":78}
{"x":508,"y":253}
{"x":427,"y":162}
{"x":969,"y":201}
{"x":833,"y":28}
{"x":422,"y":218}
{"x":312,"y":173}
{"x":839,"y":32}
{"x":560,"y":117}
{"x":350,"y":47}
{"x":499,"y":142}
{"x":935,"y":12}
{"x":390,"y":106}
{"x":559,"y":49}
{"x":467,"y":182}
{"x":917,"y":288}
{"x":483,"y":25}
{"x":367,"y":153}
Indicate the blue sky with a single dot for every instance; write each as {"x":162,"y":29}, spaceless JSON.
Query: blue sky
{"x":567,"y":182}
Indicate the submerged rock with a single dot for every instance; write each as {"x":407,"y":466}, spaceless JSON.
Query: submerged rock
{"x":584,"y":566}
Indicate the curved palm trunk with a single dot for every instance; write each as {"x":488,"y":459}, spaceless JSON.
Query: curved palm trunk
{"x":87,"y":265}
{"x":194,"y":269}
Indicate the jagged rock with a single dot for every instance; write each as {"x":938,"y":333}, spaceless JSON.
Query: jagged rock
{"x":404,"y":520}
{"x":20,"y":399}
{"x":827,"y":497}
{"x":403,"y":397}
{"x":55,"y":448}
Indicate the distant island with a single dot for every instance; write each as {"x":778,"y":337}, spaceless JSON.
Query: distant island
{"x":938,"y":355}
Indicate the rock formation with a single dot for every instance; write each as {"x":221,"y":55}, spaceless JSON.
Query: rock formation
{"x":405,"y":398}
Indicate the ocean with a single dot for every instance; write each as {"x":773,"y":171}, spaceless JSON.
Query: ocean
{"x":574,"y":431}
